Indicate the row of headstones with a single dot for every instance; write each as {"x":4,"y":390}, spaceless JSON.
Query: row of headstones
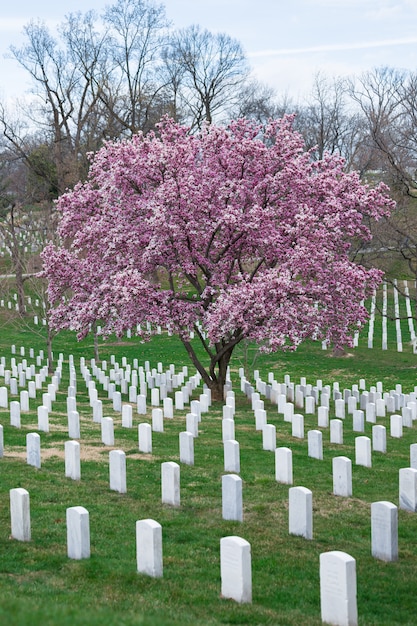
{"x":308,"y":397}
{"x":232,"y":483}
{"x":371,"y":412}
{"x":337,"y":569}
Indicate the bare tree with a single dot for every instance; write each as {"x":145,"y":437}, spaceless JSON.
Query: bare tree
{"x":210,"y":70}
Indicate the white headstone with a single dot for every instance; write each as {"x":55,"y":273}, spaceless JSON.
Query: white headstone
{"x":338,"y":589}
{"x":269,"y":437}
{"x":342,"y":476}
{"x":396,"y":426}
{"x":187,"y":448}
{"x":232,"y":507}
{"x":157,"y":420}
{"x":413,"y":455}
{"x":379,"y":438}
{"x":78,"y":533}
{"x":298,"y":426}
{"x":97,"y":411}
{"x":323,"y":417}
{"x":358,"y":421}
{"x":155,"y":396}
{"x":72,"y":460}
{"x":380,"y":407}
{"x":283,"y":465}
{"x":170,"y":483}
{"x":288,"y":412}
{"x":231,"y":456}
{"x":384,"y":531}
{"x":107,"y":431}
{"x":149,"y":548}
{"x":260,"y":419}
{"x":145,"y":438}
{"x":20,"y":514}
{"x":236,"y":569}
{"x":408,"y":489}
{"x":315,"y":444}
{"x":117,"y":467}
{"x":4,"y":402}
{"x":73,"y":425}
{"x":300,"y":513}
{"x":127,"y":418}
{"x":179,"y":401}
{"x":15,"y":413}
{"x":340,"y":408}
{"x":336,"y":431}
{"x":168,"y":408}
{"x":228,"y":429}
{"x":24,"y":400}
{"x":33,"y":449}
{"x":363,"y":451}
{"x":191,"y":423}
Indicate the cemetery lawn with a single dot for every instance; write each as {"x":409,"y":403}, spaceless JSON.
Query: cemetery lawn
{"x":41,"y":586}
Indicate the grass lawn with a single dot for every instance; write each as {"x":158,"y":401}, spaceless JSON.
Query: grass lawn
{"x":41,"y":586}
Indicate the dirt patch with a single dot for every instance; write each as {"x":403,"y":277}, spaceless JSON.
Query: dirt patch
{"x":87,"y":453}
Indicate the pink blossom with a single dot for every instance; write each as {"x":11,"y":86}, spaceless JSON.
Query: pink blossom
{"x":235,"y":230}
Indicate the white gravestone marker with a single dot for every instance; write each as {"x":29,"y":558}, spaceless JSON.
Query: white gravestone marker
{"x":236,"y":569}
{"x":149,"y":548}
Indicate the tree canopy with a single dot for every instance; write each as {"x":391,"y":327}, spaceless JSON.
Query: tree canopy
{"x":231,"y":233}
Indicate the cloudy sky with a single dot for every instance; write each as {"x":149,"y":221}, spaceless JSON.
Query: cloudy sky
{"x":287,"y":41}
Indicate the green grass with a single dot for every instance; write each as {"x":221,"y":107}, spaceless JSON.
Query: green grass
{"x":40,"y":585}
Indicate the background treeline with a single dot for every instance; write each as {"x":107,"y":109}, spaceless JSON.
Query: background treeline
{"x":108,"y":76}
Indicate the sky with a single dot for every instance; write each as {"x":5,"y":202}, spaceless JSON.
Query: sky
{"x":287,"y":42}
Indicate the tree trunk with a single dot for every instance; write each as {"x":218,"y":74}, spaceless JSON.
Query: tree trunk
{"x":215,"y":376}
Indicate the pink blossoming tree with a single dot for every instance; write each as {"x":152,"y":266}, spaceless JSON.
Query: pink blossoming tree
{"x":233,"y":233}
